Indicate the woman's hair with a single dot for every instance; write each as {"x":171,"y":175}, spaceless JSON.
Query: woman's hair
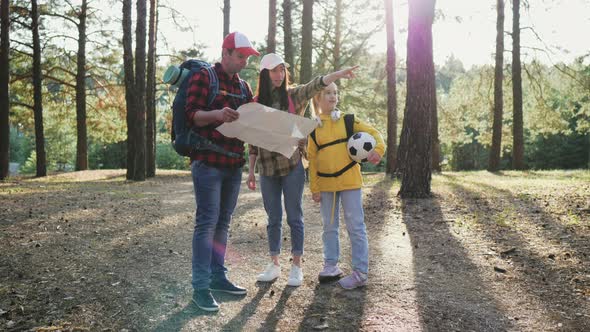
{"x":264,"y":89}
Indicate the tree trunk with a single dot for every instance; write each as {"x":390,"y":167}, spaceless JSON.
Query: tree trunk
{"x":338,"y":36}
{"x":151,"y":92}
{"x":415,"y":151}
{"x":82,"y":135}
{"x":226,"y":11}
{"x":391,"y":91}
{"x":271,"y":45}
{"x":517,"y":129}
{"x":4,"y":89}
{"x":37,"y":93}
{"x":130,"y":92}
{"x":140,"y":63}
{"x":306,"y":41}
{"x":434,"y":127}
{"x":496,"y":148}
{"x":288,"y":37}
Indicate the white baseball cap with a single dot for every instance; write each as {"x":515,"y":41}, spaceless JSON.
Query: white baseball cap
{"x":271,"y":60}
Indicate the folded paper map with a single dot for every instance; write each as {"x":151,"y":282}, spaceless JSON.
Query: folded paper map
{"x":268,"y":128}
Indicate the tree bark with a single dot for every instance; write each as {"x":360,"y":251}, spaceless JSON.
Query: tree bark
{"x":4,"y":89}
{"x":151,"y":92}
{"x":517,"y":129}
{"x":271,"y":44}
{"x":435,"y":141}
{"x":415,"y":151}
{"x":130,"y":92}
{"x":288,"y":37}
{"x":82,"y":135}
{"x":496,"y":148}
{"x":226,"y":11}
{"x":306,"y":42}
{"x":140,"y":64}
{"x":390,"y":164}
{"x":37,"y":93}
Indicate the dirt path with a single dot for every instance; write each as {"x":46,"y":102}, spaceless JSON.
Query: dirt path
{"x":90,"y":251}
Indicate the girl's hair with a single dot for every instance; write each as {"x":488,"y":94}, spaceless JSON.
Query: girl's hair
{"x":315,"y":102}
{"x":264,"y":89}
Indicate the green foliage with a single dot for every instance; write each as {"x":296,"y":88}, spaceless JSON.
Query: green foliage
{"x":558,"y":151}
{"x":167,"y":158}
{"x":107,"y":156}
{"x":21,"y":146}
{"x":30,"y":165}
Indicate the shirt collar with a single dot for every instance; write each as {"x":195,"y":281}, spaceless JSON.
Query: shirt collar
{"x":223,"y":76}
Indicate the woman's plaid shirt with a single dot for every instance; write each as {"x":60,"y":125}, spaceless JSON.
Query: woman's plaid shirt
{"x":273,"y":163}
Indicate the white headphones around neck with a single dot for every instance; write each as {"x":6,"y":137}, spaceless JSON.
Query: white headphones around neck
{"x":335,"y":114}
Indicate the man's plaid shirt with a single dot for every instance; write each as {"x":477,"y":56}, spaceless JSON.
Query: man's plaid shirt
{"x":196,"y":101}
{"x":273,"y":163}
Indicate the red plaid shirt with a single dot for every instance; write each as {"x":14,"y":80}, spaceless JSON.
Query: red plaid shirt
{"x":196,"y":101}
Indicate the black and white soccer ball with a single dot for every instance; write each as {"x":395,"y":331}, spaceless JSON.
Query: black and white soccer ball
{"x":359,"y":145}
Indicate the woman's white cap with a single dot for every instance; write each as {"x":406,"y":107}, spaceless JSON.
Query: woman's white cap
{"x":271,"y":60}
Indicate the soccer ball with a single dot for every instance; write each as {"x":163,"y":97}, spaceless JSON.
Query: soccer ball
{"x":359,"y":145}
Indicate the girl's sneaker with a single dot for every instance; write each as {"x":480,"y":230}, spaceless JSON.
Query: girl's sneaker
{"x":330,"y":273}
{"x":354,"y":280}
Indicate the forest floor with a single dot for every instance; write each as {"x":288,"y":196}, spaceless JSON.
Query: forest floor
{"x":90,"y":251}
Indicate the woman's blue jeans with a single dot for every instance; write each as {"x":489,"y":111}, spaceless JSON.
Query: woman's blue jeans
{"x":216,"y":195}
{"x":290,"y":187}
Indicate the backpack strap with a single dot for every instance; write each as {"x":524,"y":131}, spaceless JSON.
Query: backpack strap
{"x":312,"y":135}
{"x":340,"y":172}
{"x":213,"y":85}
{"x":349,"y":124}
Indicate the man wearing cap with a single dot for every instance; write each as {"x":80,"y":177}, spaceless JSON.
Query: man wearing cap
{"x":216,"y":176}
{"x":279,"y":175}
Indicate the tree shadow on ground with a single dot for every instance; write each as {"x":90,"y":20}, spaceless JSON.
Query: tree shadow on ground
{"x":248,"y":309}
{"x":334,"y":309}
{"x":544,"y":278}
{"x":451,"y":296}
{"x":180,"y":318}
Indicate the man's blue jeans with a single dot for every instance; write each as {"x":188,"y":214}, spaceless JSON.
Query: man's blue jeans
{"x":273,"y":188}
{"x":216,"y":195}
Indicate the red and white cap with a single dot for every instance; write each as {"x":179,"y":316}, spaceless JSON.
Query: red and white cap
{"x":239,"y":41}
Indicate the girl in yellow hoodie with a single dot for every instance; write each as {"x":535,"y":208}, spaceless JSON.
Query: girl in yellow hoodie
{"x":332,"y":183}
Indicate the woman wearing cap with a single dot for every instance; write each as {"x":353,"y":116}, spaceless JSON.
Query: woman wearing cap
{"x":280,"y":175}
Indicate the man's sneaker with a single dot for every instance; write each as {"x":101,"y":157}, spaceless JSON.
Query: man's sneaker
{"x":271,"y":272}
{"x":224,"y":285}
{"x":330,"y":273}
{"x":354,"y":280}
{"x":204,"y":300}
{"x":295,"y":276}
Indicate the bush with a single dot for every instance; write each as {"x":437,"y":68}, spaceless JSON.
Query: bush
{"x":167,"y":158}
{"x":21,"y":146}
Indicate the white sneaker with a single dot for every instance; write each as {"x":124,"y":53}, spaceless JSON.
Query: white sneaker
{"x":295,"y":277}
{"x":271,"y":272}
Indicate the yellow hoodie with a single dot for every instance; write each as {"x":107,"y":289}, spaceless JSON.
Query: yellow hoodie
{"x":333,"y":158}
